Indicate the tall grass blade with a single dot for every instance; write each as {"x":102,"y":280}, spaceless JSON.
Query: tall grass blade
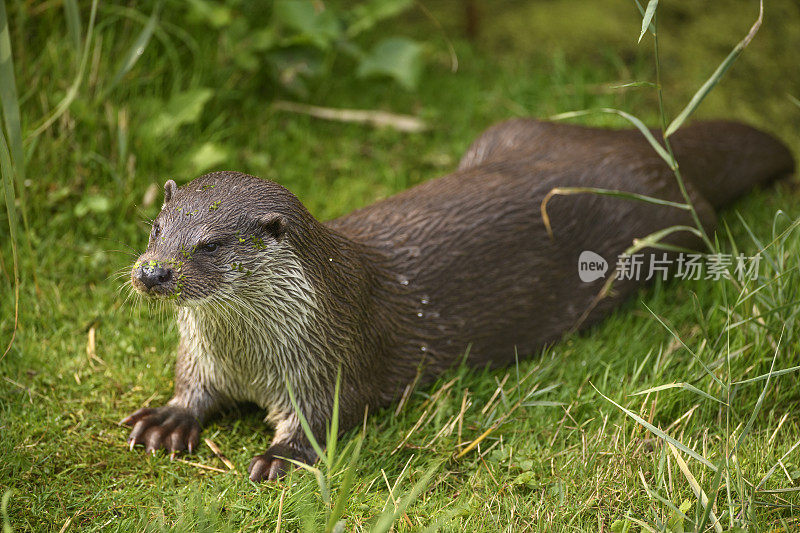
{"x":73,"y":16}
{"x":709,"y":504}
{"x":664,"y":154}
{"x":659,"y":433}
{"x":654,"y":239}
{"x":700,"y":95}
{"x":344,"y":488}
{"x":9,"y":111}
{"x":682,"y":385}
{"x":770,"y":375}
{"x":72,"y":92}
{"x":567,"y":191}
{"x":7,"y":171}
{"x":9,"y":103}
{"x":388,"y":517}
{"x":333,"y":433}
{"x":675,"y":334}
{"x":4,"y":510}
{"x":761,"y":397}
{"x":695,"y":486}
{"x":648,"y":18}
{"x":137,"y":48}
{"x":306,"y":426}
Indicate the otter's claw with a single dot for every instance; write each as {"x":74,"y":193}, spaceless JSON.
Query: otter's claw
{"x":171,"y":428}
{"x":272,"y":465}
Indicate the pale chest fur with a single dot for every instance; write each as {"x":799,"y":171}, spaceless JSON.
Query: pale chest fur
{"x":246,"y":345}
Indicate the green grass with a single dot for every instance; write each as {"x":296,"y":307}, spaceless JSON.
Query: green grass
{"x":573,"y":461}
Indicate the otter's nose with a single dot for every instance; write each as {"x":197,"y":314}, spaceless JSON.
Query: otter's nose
{"x":151,"y":276}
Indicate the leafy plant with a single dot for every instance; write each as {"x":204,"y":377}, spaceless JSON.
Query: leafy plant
{"x":298,"y":41}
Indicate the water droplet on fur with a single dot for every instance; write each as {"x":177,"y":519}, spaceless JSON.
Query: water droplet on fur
{"x":423,"y":348}
{"x":424,"y":300}
{"x":419,"y":314}
{"x":403,"y":280}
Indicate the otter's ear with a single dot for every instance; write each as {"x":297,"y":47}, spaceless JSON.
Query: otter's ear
{"x":169,"y":191}
{"x":274,"y":224}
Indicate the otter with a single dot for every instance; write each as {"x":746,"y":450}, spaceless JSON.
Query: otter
{"x":270,"y":300}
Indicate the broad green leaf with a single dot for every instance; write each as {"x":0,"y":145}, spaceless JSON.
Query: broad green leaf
{"x":183,"y":108}
{"x":92,"y":204}
{"x":368,"y":14}
{"x":396,"y":57}
{"x":208,"y":156}
{"x":216,"y":14}
{"x":319,"y":26}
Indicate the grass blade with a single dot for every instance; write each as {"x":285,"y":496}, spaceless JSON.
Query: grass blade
{"x":698,"y":491}
{"x":675,"y":334}
{"x":654,"y":239}
{"x":630,"y":118}
{"x":73,"y":16}
{"x":768,"y":376}
{"x":659,"y":433}
{"x":647,"y":134}
{"x":567,"y":191}
{"x":306,"y":427}
{"x":7,"y":171}
{"x":388,"y":517}
{"x":333,"y":431}
{"x":716,"y":76}
{"x":344,"y":489}
{"x":681,"y":385}
{"x":648,"y":18}
{"x":137,"y":48}
{"x":761,"y":397}
{"x":72,"y":93}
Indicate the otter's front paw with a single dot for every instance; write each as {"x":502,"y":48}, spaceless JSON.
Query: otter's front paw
{"x":170,"y":428}
{"x":269,"y":465}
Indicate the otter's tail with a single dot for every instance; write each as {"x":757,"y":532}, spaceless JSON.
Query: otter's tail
{"x":726,"y":159}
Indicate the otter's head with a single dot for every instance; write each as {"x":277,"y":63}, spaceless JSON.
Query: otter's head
{"x":216,"y":236}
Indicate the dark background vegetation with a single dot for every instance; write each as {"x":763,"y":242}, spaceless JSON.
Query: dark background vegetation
{"x":200,"y":97}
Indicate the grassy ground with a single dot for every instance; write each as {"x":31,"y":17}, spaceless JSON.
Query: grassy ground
{"x":571,"y":461}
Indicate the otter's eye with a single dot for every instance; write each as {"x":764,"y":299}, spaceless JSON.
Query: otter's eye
{"x":208,"y":247}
